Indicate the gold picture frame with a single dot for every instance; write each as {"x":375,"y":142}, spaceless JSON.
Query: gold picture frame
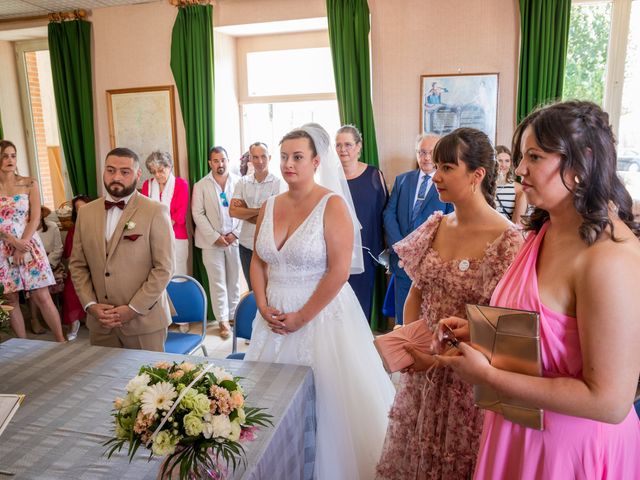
{"x":143,"y":119}
{"x":451,"y":101}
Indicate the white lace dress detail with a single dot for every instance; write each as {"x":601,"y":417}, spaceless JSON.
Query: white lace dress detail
{"x":353,"y":392}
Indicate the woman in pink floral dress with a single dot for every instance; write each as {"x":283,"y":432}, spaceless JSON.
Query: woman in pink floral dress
{"x":23,"y":261}
{"x":453,"y":260}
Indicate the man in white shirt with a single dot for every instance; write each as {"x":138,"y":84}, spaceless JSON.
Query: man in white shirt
{"x":217,"y":235}
{"x":250,"y":193}
{"x":122,"y":260}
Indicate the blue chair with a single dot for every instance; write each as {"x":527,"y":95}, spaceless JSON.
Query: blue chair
{"x":190,"y":303}
{"x":243,"y":323}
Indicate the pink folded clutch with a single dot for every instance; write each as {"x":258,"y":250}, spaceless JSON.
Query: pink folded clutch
{"x":391,"y":345}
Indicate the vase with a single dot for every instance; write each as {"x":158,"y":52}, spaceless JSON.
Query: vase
{"x":197,"y":472}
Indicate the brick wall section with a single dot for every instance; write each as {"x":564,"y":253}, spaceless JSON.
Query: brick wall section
{"x":38,"y":129}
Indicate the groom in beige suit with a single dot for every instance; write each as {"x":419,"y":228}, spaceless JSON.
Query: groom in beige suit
{"x":122,"y":260}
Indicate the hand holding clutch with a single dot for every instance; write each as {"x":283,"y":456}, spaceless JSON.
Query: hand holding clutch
{"x":510,"y":340}
{"x":391,"y":346}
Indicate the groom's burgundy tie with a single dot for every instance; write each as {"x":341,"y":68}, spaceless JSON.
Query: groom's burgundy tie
{"x":109,"y":205}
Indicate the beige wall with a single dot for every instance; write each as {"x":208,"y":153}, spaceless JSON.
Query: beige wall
{"x":131,"y":48}
{"x":10,"y":108}
{"x":227,"y":117}
{"x":241,"y":12}
{"x":410,"y":38}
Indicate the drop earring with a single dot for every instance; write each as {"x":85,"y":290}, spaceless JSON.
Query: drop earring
{"x":576,"y":179}
{"x":473,"y":188}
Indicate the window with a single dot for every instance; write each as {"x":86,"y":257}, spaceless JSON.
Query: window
{"x":281,"y":87}
{"x":603,"y":65}
{"x":286,"y":72}
{"x":41,"y":123}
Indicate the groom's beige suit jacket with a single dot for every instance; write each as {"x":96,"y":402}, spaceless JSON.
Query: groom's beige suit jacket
{"x":125,"y":271}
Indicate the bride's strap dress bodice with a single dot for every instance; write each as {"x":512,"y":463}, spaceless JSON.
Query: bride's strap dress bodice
{"x":302,"y":259}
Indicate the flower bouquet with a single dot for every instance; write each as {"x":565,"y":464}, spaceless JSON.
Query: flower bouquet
{"x":193,"y":414}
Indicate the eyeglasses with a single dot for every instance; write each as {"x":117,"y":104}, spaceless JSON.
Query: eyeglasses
{"x":346,"y":146}
{"x":424,"y":153}
{"x":225,"y":201}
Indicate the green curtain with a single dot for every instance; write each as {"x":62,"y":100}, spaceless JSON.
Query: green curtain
{"x":192,"y":67}
{"x":1,"y":130}
{"x":349,"y":36}
{"x":70,"y":51}
{"x":544,"y":31}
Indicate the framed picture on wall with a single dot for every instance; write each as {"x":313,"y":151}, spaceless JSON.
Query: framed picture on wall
{"x":461,"y":100}
{"x":144,"y":120}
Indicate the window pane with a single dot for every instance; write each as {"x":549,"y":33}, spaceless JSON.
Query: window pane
{"x":586,"y":66}
{"x":269,"y":122}
{"x":290,"y":72}
{"x":629,"y":130}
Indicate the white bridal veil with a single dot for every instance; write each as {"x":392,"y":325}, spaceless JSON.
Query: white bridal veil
{"x":331,"y":175}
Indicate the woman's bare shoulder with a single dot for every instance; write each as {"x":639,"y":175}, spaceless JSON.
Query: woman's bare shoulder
{"x":610,"y":257}
{"x":26,"y":182}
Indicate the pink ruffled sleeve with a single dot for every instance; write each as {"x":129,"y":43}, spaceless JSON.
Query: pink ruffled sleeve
{"x":412,"y":249}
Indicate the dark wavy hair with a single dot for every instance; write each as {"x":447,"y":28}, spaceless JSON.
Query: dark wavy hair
{"x":475,"y":150}
{"x":74,"y":209}
{"x":511,"y":176}
{"x":581,"y":134}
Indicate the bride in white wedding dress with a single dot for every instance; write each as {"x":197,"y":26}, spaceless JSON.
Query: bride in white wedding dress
{"x":308,"y":313}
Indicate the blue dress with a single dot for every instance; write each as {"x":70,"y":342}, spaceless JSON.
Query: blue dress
{"x":369,"y":198}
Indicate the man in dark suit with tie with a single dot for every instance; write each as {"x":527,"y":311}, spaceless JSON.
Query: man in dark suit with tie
{"x":413,"y":199}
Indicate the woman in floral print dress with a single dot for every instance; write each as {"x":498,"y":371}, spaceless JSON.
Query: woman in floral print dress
{"x":23,"y":260}
{"x":434,"y":427}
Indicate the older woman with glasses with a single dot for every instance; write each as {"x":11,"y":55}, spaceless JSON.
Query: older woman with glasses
{"x":369,"y":193}
{"x":173,"y":191}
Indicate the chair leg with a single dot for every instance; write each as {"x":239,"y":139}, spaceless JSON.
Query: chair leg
{"x":204,"y":350}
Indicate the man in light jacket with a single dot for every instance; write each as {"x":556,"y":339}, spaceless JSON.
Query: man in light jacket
{"x":122,"y":260}
{"x":217,"y":235}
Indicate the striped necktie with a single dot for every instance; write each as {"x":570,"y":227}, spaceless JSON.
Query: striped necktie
{"x":422,"y":193}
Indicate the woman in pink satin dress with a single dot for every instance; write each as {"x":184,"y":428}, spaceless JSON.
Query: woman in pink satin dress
{"x":578,"y":269}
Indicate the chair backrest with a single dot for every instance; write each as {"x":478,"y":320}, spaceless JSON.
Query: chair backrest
{"x":188,"y":298}
{"x":243,"y":323}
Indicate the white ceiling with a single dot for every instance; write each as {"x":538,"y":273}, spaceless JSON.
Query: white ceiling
{"x":30,"y":8}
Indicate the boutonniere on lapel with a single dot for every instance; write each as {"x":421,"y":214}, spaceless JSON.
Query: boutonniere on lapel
{"x":130,"y":226}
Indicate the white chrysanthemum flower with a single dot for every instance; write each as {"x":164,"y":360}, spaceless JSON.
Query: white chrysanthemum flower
{"x":221,"y":374}
{"x":221,"y":426}
{"x":207,"y":426}
{"x":158,"y":397}
{"x":137,"y":382}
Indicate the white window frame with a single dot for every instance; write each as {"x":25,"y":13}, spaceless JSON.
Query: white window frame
{"x":266,"y":43}
{"x":616,"y":56}
{"x":21,"y":48}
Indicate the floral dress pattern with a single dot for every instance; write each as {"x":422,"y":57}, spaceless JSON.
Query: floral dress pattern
{"x":36,"y":271}
{"x":434,"y":427}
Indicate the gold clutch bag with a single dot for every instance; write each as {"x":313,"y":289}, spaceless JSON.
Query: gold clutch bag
{"x":510,"y":339}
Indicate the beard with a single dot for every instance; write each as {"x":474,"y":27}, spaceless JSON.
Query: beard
{"x":119,"y":190}
{"x":221,"y":170}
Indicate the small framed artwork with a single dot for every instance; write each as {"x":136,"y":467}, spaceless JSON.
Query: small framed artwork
{"x":144,"y":120}
{"x":464,"y":100}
